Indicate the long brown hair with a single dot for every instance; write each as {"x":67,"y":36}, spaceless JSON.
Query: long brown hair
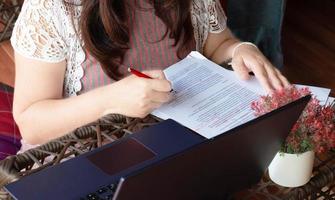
{"x":105,"y":29}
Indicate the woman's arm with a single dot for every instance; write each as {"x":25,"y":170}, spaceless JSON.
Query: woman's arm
{"x":42,"y":114}
{"x":219,"y":48}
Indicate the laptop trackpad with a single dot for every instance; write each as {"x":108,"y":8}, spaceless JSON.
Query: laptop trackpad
{"x":121,"y":156}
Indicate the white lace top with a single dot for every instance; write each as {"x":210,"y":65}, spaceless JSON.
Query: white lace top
{"x":46,"y":30}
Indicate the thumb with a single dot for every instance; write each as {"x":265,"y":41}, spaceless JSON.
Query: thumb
{"x":240,"y":68}
{"x":160,"y":85}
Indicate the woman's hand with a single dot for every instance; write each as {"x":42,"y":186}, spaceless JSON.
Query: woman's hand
{"x":220,"y":47}
{"x":43,"y":114}
{"x":248,"y":58}
{"x":137,"y":97}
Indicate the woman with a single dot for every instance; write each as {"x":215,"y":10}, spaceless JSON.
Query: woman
{"x":71,"y":58}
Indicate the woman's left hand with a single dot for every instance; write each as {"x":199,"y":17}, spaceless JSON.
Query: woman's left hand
{"x":248,"y":58}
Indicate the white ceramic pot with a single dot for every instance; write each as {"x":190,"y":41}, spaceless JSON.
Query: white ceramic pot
{"x":292,"y":170}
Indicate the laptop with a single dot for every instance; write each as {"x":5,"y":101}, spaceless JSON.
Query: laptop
{"x":167,"y":161}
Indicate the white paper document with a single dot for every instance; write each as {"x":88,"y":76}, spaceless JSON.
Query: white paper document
{"x":320,"y":93}
{"x":209,"y":99}
{"x":331,"y":100}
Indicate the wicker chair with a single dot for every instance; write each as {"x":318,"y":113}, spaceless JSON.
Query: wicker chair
{"x":9,"y":11}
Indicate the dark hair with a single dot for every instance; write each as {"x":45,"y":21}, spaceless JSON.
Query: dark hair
{"x":105,"y":29}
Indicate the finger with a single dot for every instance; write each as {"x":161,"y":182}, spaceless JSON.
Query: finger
{"x":160,"y":97}
{"x":261,"y":75}
{"x":156,"y":74}
{"x":240,"y":68}
{"x":160,"y":85}
{"x":283,"y":79}
{"x":273,"y":76}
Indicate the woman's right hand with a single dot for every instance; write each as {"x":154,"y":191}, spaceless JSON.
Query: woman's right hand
{"x":43,"y":114}
{"x":137,"y":97}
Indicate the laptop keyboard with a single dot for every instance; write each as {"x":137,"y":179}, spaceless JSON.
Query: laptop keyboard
{"x":103,"y":193}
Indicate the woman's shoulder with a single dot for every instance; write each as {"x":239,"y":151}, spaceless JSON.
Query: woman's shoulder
{"x":208,"y":16}
{"x":42,"y":5}
{"x":201,"y":7}
{"x":204,"y":2}
{"x":41,"y":29}
{"x":53,"y":9}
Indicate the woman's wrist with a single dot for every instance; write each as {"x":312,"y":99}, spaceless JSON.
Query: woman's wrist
{"x":108,"y":99}
{"x":240,"y":44}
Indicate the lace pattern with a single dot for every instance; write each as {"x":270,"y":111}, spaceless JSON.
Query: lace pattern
{"x":46,"y":31}
{"x":207,"y":17}
{"x":36,"y":35}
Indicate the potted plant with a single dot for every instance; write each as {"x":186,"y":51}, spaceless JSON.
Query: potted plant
{"x":314,"y":132}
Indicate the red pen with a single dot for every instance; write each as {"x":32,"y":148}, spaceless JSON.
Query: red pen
{"x":138,"y":73}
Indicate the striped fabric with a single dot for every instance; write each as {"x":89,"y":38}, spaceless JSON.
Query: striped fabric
{"x":147,"y":50}
{"x":93,"y":74}
{"x":9,"y":132}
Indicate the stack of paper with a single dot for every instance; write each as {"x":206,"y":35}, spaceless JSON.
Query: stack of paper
{"x":211,"y":100}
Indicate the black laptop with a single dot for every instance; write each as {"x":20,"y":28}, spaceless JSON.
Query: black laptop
{"x":167,"y":161}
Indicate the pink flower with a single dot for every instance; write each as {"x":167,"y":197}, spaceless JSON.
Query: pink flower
{"x":314,"y":130}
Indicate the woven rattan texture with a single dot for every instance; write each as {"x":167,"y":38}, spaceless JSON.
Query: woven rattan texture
{"x":9,"y":11}
{"x":114,"y":127}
